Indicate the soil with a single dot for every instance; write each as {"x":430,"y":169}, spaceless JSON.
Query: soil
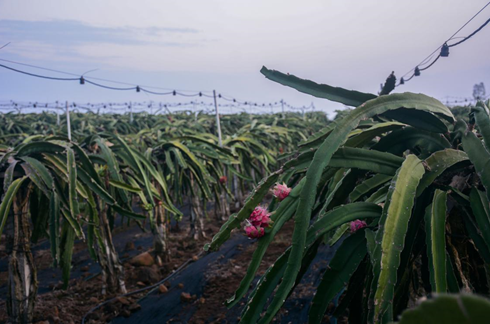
{"x":194,"y":295}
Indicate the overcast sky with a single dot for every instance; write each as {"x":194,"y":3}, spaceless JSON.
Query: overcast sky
{"x":222,"y":44}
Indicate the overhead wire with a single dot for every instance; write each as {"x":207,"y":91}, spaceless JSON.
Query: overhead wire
{"x":38,"y":75}
{"x":95,"y":78}
{"x":108,"y":87}
{"x":471,"y":35}
{"x":426,"y":59}
{"x":145,"y":107}
{"x":428,"y":66}
{"x":133,"y":87}
{"x":470,"y":20}
{"x":155,"y":93}
{"x":4,"y":45}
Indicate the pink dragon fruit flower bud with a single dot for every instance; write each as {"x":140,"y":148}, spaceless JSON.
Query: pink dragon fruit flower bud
{"x":281,"y":191}
{"x":266,"y":221}
{"x":260,"y":217}
{"x":357,"y":225}
{"x":254,"y":232}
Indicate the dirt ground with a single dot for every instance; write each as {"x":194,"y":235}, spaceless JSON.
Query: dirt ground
{"x":84,"y":292}
{"x":195,"y":295}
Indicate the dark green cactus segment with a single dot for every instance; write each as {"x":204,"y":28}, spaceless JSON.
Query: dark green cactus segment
{"x":340,"y":269}
{"x":347,"y":97}
{"x":481,"y":209}
{"x":478,"y":155}
{"x":437,"y":163}
{"x":386,"y":162}
{"x":368,"y":185}
{"x":363,"y":137}
{"x":378,"y":162}
{"x":435,"y":231}
{"x":321,"y":159}
{"x":480,"y":112}
{"x":476,"y":236}
{"x":449,"y":309}
{"x":324,"y":224}
{"x":391,"y":233}
{"x":414,"y":139}
{"x":417,"y":119}
{"x":350,"y":157}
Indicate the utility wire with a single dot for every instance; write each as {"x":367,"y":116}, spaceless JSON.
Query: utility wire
{"x":156,"y":93}
{"x":133,"y":87}
{"x":93,"y":78}
{"x":428,"y":66}
{"x":107,"y":87}
{"x":450,"y":38}
{"x":144,"y":107}
{"x":138,"y":88}
{"x":470,"y":20}
{"x":38,"y":75}
{"x":4,"y":45}
{"x":470,"y":35}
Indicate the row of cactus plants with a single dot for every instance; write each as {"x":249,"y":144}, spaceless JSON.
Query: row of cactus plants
{"x":410,"y":182}
{"x":55,"y":185}
{"x":68,"y":191}
{"x":254,"y":140}
{"x":62,"y":190}
{"x":288,"y":128}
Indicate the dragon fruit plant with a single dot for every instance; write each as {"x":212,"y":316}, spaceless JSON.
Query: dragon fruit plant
{"x":410,"y":182}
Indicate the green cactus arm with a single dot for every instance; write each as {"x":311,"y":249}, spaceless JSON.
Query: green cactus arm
{"x":478,"y":155}
{"x":480,"y":207}
{"x":322,"y":158}
{"x":340,"y":269}
{"x":274,"y":274}
{"x":449,"y":309}
{"x":480,"y":111}
{"x":437,"y":163}
{"x":368,"y":185}
{"x":7,"y":201}
{"x":435,"y":229}
{"x":391,"y":233}
{"x":417,"y":119}
{"x":347,"y":97}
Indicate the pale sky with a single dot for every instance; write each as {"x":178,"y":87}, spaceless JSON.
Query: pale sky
{"x":222,"y":44}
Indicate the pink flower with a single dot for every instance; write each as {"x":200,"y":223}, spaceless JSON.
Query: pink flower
{"x":281,"y":191}
{"x":357,"y":225}
{"x":254,"y":232}
{"x":260,"y":217}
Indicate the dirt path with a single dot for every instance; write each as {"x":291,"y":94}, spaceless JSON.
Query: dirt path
{"x":216,"y":276}
{"x":194,"y":295}
{"x":171,"y":307}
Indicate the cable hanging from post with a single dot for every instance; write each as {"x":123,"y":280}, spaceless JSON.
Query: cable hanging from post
{"x":82,"y":80}
{"x":428,"y":66}
{"x":108,"y":87}
{"x":156,"y":93}
{"x":92,"y":78}
{"x":38,"y":75}
{"x":444,"y":48}
{"x":470,"y":35}
{"x":143,"y":106}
